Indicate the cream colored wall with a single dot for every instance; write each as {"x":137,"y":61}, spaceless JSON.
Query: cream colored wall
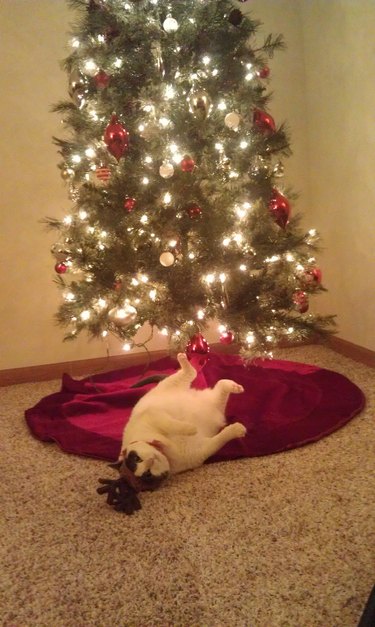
{"x":33,"y":40}
{"x":339,"y":53}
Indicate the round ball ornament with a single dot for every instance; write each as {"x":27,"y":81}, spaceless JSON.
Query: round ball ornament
{"x":200,"y":104}
{"x":313,"y":276}
{"x":232,"y":120}
{"x":166,"y":170}
{"x":279,"y":208}
{"x":61,"y":267}
{"x":101,"y":176}
{"x":227,"y":337}
{"x":170,"y":25}
{"x":116,"y":138}
{"x":193,"y":210}
{"x":129,"y":204}
{"x":263,"y":122}
{"x":78,"y":88}
{"x":264,"y":72}
{"x":166,"y":259}
{"x":187,"y":164}
{"x":102,"y":79}
{"x":301,"y":301}
{"x":197,"y":350}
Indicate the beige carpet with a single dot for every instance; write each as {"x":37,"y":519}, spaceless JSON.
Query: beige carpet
{"x":280,"y":541}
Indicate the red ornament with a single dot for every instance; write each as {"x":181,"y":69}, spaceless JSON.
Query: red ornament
{"x":301,"y":301}
{"x":279,"y":207}
{"x":117,"y":285}
{"x":193,"y":210}
{"x":264,"y":72}
{"x":116,"y":138}
{"x":103,"y":174}
{"x":102,"y":79}
{"x":61,"y":267}
{"x":264,"y":122}
{"x":227,"y":337}
{"x":187,"y":164}
{"x":197,"y":350}
{"x":313,"y":276}
{"x":129,"y":204}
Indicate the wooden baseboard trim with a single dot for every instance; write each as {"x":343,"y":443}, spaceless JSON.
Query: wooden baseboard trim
{"x":78,"y":368}
{"x":353,"y":351}
{"x":83,"y":367}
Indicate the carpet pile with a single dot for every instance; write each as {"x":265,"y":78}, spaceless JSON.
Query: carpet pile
{"x":285,"y":540}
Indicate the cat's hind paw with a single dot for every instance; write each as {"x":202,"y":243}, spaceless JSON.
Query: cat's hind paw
{"x":237,"y":388}
{"x":238,"y":429}
{"x":229,"y":386}
{"x":185,"y":364}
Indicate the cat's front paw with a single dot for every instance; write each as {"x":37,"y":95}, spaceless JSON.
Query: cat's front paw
{"x":238,"y":429}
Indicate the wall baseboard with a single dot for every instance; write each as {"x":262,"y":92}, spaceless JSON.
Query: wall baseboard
{"x":353,"y":351}
{"x":84,"y":367}
{"x":78,"y":368}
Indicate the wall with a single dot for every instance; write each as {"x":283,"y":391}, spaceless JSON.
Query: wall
{"x":33,"y":43}
{"x":339,"y":52}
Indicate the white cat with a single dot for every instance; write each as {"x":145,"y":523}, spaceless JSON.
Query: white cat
{"x":175,"y":428}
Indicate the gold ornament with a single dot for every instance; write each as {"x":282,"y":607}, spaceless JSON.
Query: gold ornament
{"x":200,"y":104}
{"x":166,"y":259}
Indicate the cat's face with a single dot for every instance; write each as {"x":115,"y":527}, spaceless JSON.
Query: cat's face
{"x":147,"y":463}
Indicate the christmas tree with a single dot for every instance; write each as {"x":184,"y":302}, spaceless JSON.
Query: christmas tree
{"x":179,"y":213}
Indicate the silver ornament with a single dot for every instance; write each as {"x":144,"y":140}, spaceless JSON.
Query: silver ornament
{"x":78,"y":88}
{"x":278,"y":170}
{"x":166,"y":170}
{"x":170,"y":25}
{"x":200,"y":104}
{"x":232,"y":120}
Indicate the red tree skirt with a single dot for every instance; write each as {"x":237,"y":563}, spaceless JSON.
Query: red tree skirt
{"x":285,"y":405}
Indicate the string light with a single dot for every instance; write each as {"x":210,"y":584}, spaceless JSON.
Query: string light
{"x":250,"y":338}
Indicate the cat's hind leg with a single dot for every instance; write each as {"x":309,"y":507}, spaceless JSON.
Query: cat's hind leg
{"x":210,"y":446}
{"x":222,"y":390}
{"x":183,"y":377}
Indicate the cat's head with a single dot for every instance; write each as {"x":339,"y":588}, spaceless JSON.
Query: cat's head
{"x":147,"y":462}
